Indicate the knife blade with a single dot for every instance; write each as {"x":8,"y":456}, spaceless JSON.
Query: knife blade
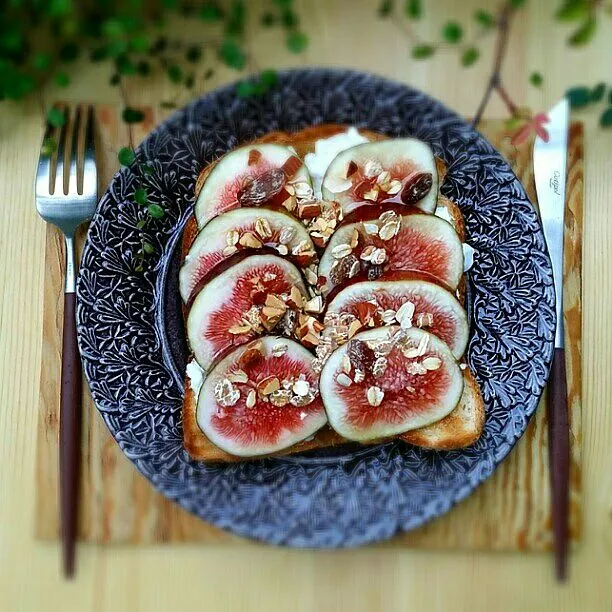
{"x":550,"y":168}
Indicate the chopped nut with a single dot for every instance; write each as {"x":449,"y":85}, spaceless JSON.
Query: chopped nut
{"x":378,"y":256}
{"x":274,"y":301}
{"x":310,"y":340}
{"x":272,"y":313}
{"x":371,"y":194}
{"x":432,"y":363}
{"x":366,"y":254}
{"x":280,"y":397}
{"x":424,"y":319}
{"x":379,"y":366}
{"x":341,"y":250}
{"x":250,"y":240}
{"x":375,"y":396}
{"x":231,"y":238}
{"x":343,"y":380}
{"x":383,"y":178}
{"x":239,"y":376}
{"x":303,"y":190}
{"x":354,"y":327}
{"x":295,"y":299}
{"x":311,"y":275}
{"x":268,"y":385}
{"x":372,"y":168}
{"x":404,"y":314}
{"x":286,"y":235}
{"x":370,"y":228}
{"x":225,"y":393}
{"x":301,"y":387}
{"x":314,"y":305}
{"x":229,"y":250}
{"x":279,"y":349}
{"x":388,"y":317}
{"x":309,"y":209}
{"x":251,"y":398}
{"x":262,"y":227}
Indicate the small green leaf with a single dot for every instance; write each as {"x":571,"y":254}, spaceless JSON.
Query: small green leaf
{"x":156,"y":211}
{"x":385,"y":8}
{"x":62,"y":79}
{"x":125,"y":65}
{"x":148,"y":248}
{"x":269,"y":77}
{"x":584,"y":33}
{"x":423,"y":51}
{"x":268,"y":20}
{"x":126,"y":156}
{"x":56,"y":117}
{"x":41,"y":61}
{"x":231,"y":54}
{"x":140,"y":43}
{"x":141,"y":224}
{"x":236,"y":19}
{"x":413,"y":9}
{"x":452,"y":32}
{"x":193,"y":54}
{"x":141,"y":196}
{"x":290,"y":19}
{"x":132,"y":115}
{"x":598,"y":92}
{"x":470,"y":56}
{"x":578,"y":96}
{"x":536,"y":79}
{"x":484,"y":19}
{"x":573,"y":10}
{"x":146,"y":169}
{"x":48,"y":147}
{"x":296,"y":41}
{"x":245,"y":89}
{"x":175,"y":73}
{"x":517,"y":3}
{"x":606,"y":118}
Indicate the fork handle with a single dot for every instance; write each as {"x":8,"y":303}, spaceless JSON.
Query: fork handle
{"x":70,"y":422}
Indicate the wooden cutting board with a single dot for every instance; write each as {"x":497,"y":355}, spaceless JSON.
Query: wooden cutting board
{"x":511,"y":511}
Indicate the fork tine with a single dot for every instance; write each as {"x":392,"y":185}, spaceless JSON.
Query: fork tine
{"x":75,"y":177}
{"x":90,"y":176}
{"x":57,"y":180}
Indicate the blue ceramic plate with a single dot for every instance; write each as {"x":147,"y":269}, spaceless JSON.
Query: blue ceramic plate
{"x":133,"y":344}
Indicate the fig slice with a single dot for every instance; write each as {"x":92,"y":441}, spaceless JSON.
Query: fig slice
{"x":243,"y":230}
{"x":392,"y":243}
{"x":410,"y":302}
{"x":242,"y":178}
{"x":388,"y":380}
{"x":261,"y":398}
{"x":401,"y":171}
{"x":248,"y":299}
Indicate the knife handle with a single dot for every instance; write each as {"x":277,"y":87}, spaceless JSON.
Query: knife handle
{"x":559,"y":450}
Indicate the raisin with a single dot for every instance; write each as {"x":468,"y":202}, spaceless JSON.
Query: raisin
{"x":361,"y":355}
{"x":373,"y":272}
{"x":344,"y":269}
{"x":262,"y":188}
{"x":416,"y":188}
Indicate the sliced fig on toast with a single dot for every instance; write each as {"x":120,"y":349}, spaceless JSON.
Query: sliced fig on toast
{"x":374,"y":248}
{"x":253,"y":175}
{"x":401,"y":171}
{"x":248,"y":299}
{"x":410,"y":303}
{"x":244,"y":230}
{"x":388,"y":380}
{"x":261,"y":398}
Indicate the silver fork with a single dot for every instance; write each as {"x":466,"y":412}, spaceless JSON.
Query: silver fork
{"x":67,"y":204}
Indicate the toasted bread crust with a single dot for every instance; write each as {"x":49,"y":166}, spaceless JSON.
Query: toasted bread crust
{"x":454,"y":431}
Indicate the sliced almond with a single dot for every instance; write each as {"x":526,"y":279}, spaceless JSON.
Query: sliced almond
{"x":229,"y":250}
{"x":423,"y":344}
{"x":375,"y":396}
{"x":231,"y":238}
{"x":384,"y":177}
{"x":239,"y":376}
{"x":354,"y":239}
{"x":343,"y":380}
{"x":394,"y":187}
{"x":250,"y":241}
{"x":268,"y":385}
{"x":251,"y":398}
{"x":311,"y":275}
{"x":346,"y":364}
{"x":432,"y":363}
{"x":262,"y":227}
{"x":371,"y":194}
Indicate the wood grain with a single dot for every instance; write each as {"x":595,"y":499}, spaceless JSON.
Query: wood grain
{"x":509,"y":512}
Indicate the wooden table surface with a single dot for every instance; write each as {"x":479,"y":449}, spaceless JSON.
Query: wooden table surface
{"x":342,"y":33}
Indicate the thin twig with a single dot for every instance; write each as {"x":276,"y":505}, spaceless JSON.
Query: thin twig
{"x":503,"y":26}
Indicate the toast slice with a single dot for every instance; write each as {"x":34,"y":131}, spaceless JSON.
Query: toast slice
{"x":460,"y":428}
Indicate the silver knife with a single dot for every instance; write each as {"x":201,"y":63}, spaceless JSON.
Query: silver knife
{"x":550,"y":170}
